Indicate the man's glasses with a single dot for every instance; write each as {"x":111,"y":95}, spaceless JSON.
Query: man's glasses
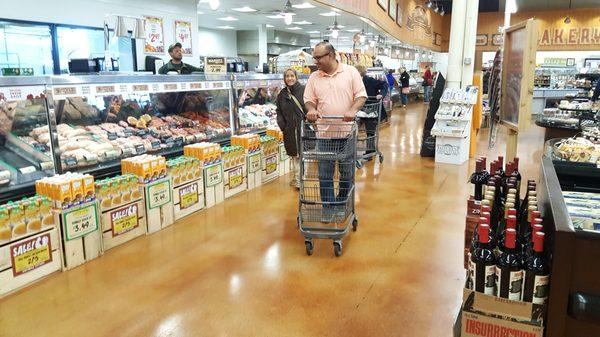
{"x":318,"y":58}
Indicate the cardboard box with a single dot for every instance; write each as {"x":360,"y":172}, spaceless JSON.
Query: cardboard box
{"x":490,"y":316}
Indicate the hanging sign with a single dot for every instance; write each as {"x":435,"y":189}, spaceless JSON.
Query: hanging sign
{"x":183,"y":35}
{"x":154,"y":42}
{"x":215,"y":65}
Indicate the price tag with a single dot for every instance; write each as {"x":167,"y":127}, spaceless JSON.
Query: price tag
{"x":158,"y":194}
{"x":70,"y":161}
{"x":215,"y":65}
{"x":140,"y":149}
{"x":188,"y":196}
{"x":254,"y":162}
{"x":30,"y":254}
{"x":282,"y":153}
{"x":236,"y":177}
{"x":271,"y":164}
{"x":213,"y":175}
{"x":80,"y":221}
{"x":179,"y":141}
{"x":112,"y":135}
{"x":155,"y":144}
{"x":124,"y":220}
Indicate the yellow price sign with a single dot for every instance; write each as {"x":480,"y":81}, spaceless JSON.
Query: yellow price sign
{"x":124,"y":220}
{"x":236,"y":177}
{"x":30,"y":254}
{"x":271,"y":164}
{"x":188,"y":196}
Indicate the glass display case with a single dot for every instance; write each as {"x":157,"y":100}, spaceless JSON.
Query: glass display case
{"x":24,"y":156}
{"x":98,"y":120}
{"x":255,"y":96}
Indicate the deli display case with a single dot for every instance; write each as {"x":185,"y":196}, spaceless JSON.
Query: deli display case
{"x":255,"y":96}
{"x":569,"y":199}
{"x":99,"y":120}
{"x":23,"y":114}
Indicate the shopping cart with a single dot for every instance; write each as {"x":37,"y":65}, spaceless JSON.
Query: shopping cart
{"x":326,"y":200}
{"x":368,"y":139}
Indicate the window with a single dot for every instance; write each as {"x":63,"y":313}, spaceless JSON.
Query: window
{"x":83,"y":43}
{"x":25,"y":45}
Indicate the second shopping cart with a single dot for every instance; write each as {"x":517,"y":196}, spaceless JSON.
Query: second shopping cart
{"x":327,"y":190}
{"x":368,"y":140}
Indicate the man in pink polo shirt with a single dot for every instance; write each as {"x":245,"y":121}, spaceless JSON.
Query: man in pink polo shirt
{"x":335,"y":90}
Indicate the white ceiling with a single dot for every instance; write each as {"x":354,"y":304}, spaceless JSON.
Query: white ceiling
{"x":208,"y":18}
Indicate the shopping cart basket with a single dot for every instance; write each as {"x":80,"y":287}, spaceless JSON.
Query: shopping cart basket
{"x":368,"y":139}
{"x":326,"y":199}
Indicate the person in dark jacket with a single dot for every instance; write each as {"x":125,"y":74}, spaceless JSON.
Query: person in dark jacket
{"x":290,"y":113}
{"x":261,"y":97}
{"x":405,"y":86}
{"x":596,"y":93}
{"x":376,"y":90}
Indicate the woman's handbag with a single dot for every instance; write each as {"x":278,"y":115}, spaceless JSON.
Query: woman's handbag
{"x":406,"y":90}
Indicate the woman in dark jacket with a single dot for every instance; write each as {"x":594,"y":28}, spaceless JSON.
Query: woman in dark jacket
{"x":290,"y":113}
{"x":404,"y":83}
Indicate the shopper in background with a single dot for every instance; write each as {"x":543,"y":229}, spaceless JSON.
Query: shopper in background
{"x":261,"y":97}
{"x":335,"y":89}
{"x":392,"y":83}
{"x":290,"y":113}
{"x":175,"y":64}
{"x":376,"y":90}
{"x":405,"y":86}
{"x":427,"y":83}
{"x":596,"y":91}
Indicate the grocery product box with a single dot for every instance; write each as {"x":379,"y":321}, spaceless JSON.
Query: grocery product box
{"x":188,"y":185}
{"x":490,"y":316}
{"x":270,"y":158}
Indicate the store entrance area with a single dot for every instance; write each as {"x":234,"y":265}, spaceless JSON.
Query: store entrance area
{"x":240,"y":268}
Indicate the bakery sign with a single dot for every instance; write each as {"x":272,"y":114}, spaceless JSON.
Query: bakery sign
{"x":570,"y":36}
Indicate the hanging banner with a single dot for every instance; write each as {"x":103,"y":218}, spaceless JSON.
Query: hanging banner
{"x":183,"y":35}
{"x":155,"y":38}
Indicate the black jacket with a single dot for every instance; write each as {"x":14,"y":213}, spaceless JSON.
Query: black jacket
{"x":290,"y":116}
{"x":596,"y":93}
{"x":405,"y":80}
{"x":184,"y":69}
{"x":375,"y":87}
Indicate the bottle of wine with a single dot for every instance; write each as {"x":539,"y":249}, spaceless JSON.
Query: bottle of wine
{"x":508,"y":210}
{"x":509,"y":273}
{"x":537,"y":273}
{"x":479,"y":178}
{"x":511,"y":223}
{"x":500,"y":167}
{"x":525,"y":223}
{"x":515,"y":172}
{"x":484,"y":263}
{"x":526,"y":232}
{"x":474,"y":244}
{"x":528,"y":246}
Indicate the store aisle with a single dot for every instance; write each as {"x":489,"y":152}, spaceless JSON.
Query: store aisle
{"x":240,"y":268}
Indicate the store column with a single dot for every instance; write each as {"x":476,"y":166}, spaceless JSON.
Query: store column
{"x":470,"y":35}
{"x":262,"y":46}
{"x":455,"y":50}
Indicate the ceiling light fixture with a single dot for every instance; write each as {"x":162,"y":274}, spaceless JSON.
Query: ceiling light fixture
{"x":568,"y":18}
{"x":294,"y":28}
{"x":429,"y":4}
{"x":304,"y":5}
{"x":228,"y":18}
{"x":511,"y":6}
{"x":244,"y":9}
{"x":278,"y":16}
{"x":332,"y":13}
{"x":304,"y":22}
{"x":442,"y":11}
{"x":335,"y":29}
{"x":225,"y":27}
{"x":214,"y":4}
{"x":437,"y":8}
{"x":288,"y":13}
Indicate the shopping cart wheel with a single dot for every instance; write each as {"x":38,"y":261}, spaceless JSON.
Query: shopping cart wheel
{"x":337,"y":248}
{"x":359,"y":164}
{"x":309,"y":247}
{"x":354,"y":224}
{"x":381,"y":158}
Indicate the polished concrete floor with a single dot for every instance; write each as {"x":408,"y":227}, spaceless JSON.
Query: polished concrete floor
{"x":240,"y":268}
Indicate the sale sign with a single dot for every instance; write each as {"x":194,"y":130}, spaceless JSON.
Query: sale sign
{"x":30,"y":254}
{"x":188,"y":196}
{"x":183,"y":35}
{"x":124,"y":220}
{"x":155,"y":39}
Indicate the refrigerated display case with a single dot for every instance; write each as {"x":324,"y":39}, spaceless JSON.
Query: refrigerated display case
{"x":24,"y":157}
{"x":99,"y":120}
{"x":255,"y":96}
{"x":568,"y":195}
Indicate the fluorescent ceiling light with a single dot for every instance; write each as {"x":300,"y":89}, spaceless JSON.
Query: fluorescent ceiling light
{"x":305,"y":5}
{"x":335,"y":9}
{"x":270,"y":26}
{"x":511,"y":6}
{"x":229,"y":18}
{"x":275,"y":16}
{"x":244,"y":9}
{"x":225,"y":27}
{"x":303,"y":22}
{"x":329,"y":14}
{"x":340,"y":26}
{"x":314,"y":32}
{"x":200,"y":12}
{"x":294,"y":28}
{"x":353,"y":30}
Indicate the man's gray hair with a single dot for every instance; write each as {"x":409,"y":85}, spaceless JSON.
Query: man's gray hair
{"x":328,"y":46}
